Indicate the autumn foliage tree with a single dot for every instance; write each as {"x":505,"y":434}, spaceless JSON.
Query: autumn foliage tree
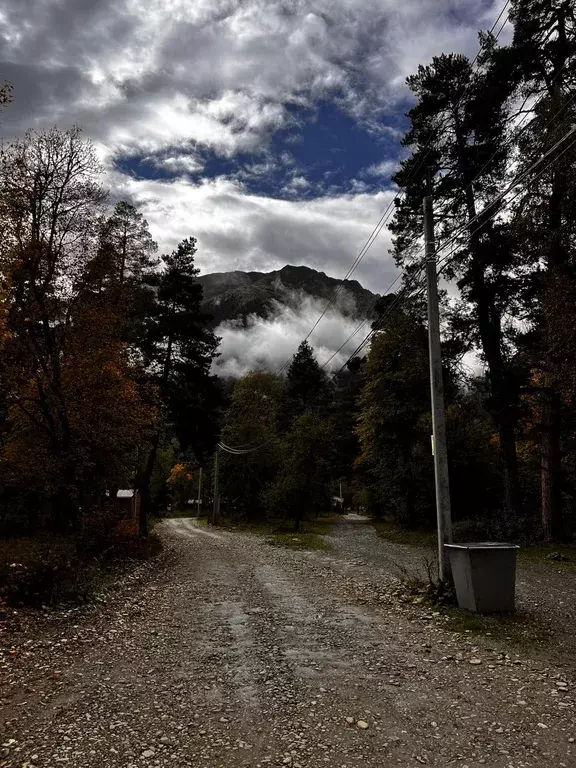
{"x":73,"y":408}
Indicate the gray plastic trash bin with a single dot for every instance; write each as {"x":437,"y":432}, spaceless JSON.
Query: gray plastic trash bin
{"x":484,"y":575}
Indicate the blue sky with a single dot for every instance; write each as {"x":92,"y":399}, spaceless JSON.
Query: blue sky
{"x":323,"y":150}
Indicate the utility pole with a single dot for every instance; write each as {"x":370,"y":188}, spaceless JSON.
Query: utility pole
{"x":437,"y":395}
{"x":199,"y":490}
{"x":216,"y":507}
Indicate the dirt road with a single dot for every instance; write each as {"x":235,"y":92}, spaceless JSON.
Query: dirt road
{"x":244,"y":654}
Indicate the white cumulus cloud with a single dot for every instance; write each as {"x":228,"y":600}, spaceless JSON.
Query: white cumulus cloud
{"x":237,"y":230}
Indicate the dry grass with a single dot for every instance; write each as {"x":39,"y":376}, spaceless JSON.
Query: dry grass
{"x":395,"y":533}
{"x":279,"y":533}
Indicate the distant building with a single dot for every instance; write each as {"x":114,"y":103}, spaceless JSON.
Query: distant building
{"x":129,"y":502}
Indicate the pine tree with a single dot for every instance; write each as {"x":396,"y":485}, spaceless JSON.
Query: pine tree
{"x":301,"y":488}
{"x":252,"y":419}
{"x":458,"y":136}
{"x":392,"y":424}
{"x":178,"y":349}
{"x":306,"y":384}
{"x":542,"y":62}
{"x":127,"y":235}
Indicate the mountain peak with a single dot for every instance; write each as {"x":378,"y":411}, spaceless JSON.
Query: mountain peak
{"x":236,"y":296}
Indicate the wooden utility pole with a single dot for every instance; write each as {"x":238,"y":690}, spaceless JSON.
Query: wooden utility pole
{"x":216,"y":507}
{"x":199,"y":491}
{"x":437,"y":396}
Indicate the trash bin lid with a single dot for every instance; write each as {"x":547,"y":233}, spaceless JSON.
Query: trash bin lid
{"x":483,"y":545}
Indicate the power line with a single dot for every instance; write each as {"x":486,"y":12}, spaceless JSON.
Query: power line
{"x":444,"y":262}
{"x":360,"y":326}
{"x":392,"y":306}
{"x":447,"y":260}
{"x":380,"y":225}
{"x":378,"y":324}
{"x":492,"y":28}
{"x":363,"y":251}
{"x":466,"y":226}
{"x":497,"y":20}
{"x":521,"y":128}
{"x":511,"y":186}
{"x":241,"y":451}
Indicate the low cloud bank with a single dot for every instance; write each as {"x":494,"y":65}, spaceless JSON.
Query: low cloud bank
{"x":266,"y":344}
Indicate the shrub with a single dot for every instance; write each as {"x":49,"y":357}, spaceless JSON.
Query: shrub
{"x":36,"y":571}
{"x":98,"y":531}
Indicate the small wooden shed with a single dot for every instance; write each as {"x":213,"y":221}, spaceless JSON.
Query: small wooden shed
{"x":129,"y":502}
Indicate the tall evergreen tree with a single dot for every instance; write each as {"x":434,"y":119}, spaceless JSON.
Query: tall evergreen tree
{"x":253,"y":418}
{"x":127,"y":234}
{"x":306,"y":383}
{"x":458,"y":136}
{"x":392,"y":425}
{"x":178,"y":349}
{"x":541,"y":62}
{"x":301,"y":488}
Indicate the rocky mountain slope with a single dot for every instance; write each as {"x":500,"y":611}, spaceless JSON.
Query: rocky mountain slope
{"x":235,"y":296}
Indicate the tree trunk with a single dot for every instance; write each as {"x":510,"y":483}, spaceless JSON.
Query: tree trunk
{"x":504,"y":396}
{"x":510,"y":466}
{"x":558,"y":259}
{"x":144,"y":486}
{"x":550,"y":468}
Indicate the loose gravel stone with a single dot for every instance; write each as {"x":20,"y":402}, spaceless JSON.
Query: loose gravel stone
{"x":232,"y":653}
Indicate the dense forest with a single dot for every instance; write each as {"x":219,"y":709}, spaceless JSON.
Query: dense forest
{"x":105,"y":366}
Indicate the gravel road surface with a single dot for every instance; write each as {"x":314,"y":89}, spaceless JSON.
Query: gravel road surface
{"x":238,"y":653}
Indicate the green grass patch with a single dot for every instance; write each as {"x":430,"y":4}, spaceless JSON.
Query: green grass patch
{"x":514,"y":628}
{"x":549,"y":554}
{"x":177,"y":512}
{"x":309,"y":541}
{"x":557,"y":555}
{"x":310,"y":537}
{"x":395,"y":533}
{"x":280,"y":533}
{"x":259,"y":529}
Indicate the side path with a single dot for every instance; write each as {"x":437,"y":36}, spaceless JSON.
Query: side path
{"x":545,"y":591}
{"x":243,"y":654}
